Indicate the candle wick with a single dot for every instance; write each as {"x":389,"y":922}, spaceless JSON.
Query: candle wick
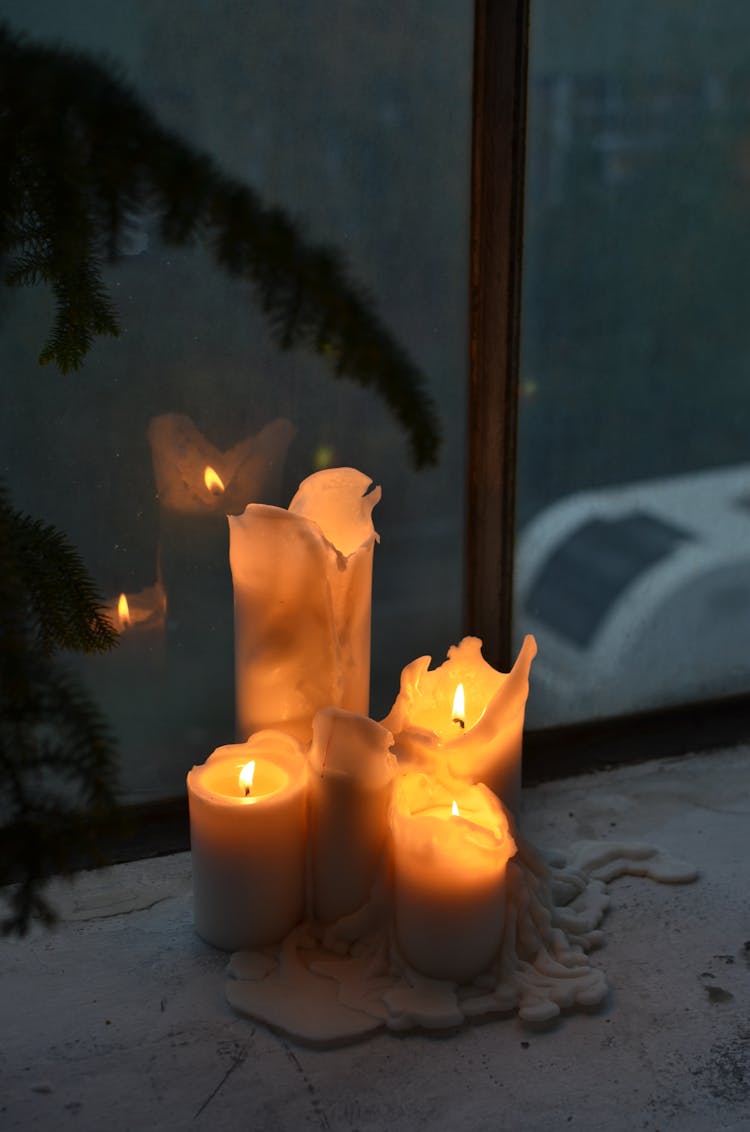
{"x":461,"y":723}
{"x":247,"y":791}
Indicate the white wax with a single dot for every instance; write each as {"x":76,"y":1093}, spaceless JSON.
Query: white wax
{"x":449,"y":877}
{"x":488,"y":747}
{"x":352,"y":771}
{"x":249,"y":851}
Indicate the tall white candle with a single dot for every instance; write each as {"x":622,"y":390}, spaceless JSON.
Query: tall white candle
{"x":450,"y":852}
{"x":248,"y":837}
{"x":479,"y":742}
{"x":352,"y":770}
{"x":302,"y":600}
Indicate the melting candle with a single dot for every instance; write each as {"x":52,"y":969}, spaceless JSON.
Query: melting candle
{"x":464,"y":718}
{"x":449,"y":876}
{"x":302,"y":600}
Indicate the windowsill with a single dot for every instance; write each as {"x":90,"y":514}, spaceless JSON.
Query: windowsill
{"x":118,"y":1020}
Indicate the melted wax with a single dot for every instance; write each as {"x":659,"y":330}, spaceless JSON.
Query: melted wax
{"x":339,"y":984}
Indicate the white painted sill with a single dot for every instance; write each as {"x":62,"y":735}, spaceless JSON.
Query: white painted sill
{"x":117,"y":1019}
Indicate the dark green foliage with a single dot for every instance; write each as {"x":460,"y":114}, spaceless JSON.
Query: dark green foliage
{"x":56,"y":755}
{"x":81,"y":158}
{"x":63,"y":597}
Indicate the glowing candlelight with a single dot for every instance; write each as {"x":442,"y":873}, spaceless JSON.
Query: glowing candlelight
{"x":458,"y":707}
{"x":213,"y":480}
{"x":302,"y":601}
{"x":247,"y":774}
{"x":123,"y":611}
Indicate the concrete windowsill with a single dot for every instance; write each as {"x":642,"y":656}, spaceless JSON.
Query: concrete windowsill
{"x":117,"y":1019}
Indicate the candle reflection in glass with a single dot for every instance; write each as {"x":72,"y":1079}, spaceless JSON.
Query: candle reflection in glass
{"x":198,"y":485}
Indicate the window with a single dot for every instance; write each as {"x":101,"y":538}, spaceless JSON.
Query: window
{"x":355,"y":119}
{"x":633,"y":547}
{"x":625,"y":486}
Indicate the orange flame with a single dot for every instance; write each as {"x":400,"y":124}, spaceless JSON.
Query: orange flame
{"x":123,"y":611}
{"x":213,"y":480}
{"x":247,"y":774}
{"x":458,"y":705}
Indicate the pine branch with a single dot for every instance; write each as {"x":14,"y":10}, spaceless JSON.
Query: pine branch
{"x":64,"y":602}
{"x":57,"y":758}
{"x":84,"y":310}
{"x":80,"y":156}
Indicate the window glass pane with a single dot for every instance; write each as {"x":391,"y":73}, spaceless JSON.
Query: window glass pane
{"x":354,"y":117}
{"x":633,"y":550}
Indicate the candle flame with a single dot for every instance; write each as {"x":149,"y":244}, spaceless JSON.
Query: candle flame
{"x":247,"y":774}
{"x":123,"y":611}
{"x":454,"y":807}
{"x":213,"y":480}
{"x":458,"y":706}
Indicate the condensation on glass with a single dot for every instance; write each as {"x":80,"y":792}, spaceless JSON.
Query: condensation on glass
{"x":633,"y":546}
{"x":356,"y":120}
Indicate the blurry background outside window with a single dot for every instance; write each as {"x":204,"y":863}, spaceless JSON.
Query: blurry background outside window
{"x":633,"y":549}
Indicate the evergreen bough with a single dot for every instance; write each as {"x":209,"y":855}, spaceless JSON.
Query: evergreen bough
{"x":57,"y":757}
{"x":81,"y":158}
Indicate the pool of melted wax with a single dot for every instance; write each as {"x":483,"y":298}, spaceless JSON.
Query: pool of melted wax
{"x":349,"y":981}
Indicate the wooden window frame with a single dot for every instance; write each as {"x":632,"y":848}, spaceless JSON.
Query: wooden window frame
{"x":498,"y":156}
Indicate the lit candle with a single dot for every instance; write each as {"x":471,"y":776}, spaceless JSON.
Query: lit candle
{"x":451,"y":847}
{"x":352,"y":771}
{"x":302,"y":600}
{"x":248,"y":838}
{"x":465,"y":718}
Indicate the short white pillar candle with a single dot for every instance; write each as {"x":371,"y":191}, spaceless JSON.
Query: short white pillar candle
{"x":248,"y":836}
{"x":450,"y":851}
{"x":351,"y":774}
